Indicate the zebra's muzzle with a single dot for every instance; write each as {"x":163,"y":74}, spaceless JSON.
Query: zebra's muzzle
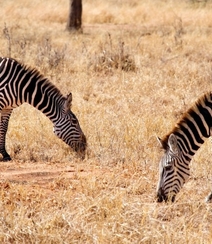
{"x":161,"y":196}
{"x":80,"y":147}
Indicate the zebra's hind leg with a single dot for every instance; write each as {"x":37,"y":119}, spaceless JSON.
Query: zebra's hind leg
{"x":209,"y":198}
{"x":5,"y":116}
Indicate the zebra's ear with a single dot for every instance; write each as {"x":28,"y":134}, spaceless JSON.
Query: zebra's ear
{"x":172,"y":143}
{"x":68,"y":101}
{"x":163,"y":144}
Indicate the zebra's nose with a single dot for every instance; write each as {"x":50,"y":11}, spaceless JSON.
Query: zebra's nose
{"x":161,"y":196}
{"x":83,"y":143}
{"x":83,"y":138}
{"x":80,"y":146}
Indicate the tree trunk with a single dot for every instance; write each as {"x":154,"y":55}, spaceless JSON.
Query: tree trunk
{"x":75,"y":16}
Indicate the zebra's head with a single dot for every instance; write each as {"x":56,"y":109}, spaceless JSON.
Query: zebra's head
{"x":173,"y":170}
{"x":68,"y":129}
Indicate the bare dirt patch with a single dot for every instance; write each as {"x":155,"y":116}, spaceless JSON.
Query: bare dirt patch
{"x":43,"y":173}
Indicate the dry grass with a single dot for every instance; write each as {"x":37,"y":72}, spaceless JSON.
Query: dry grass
{"x":133,"y":72}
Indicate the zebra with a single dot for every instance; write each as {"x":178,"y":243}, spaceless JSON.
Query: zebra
{"x":180,"y":145}
{"x":21,"y":84}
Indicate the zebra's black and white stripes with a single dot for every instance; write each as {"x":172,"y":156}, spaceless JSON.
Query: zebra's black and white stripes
{"x":180,"y":146}
{"x":20,"y":84}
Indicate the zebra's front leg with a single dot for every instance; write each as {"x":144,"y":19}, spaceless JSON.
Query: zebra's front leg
{"x":5,"y":116}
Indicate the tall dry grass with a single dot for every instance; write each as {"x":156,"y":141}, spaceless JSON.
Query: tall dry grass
{"x":135,"y":69}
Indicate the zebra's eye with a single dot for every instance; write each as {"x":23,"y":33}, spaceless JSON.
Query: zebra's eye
{"x":168,"y":167}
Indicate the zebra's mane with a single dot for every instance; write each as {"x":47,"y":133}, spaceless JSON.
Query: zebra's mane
{"x":39,"y":75}
{"x":184,"y":119}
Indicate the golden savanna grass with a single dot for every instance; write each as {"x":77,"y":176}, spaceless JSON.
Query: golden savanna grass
{"x":133,"y":72}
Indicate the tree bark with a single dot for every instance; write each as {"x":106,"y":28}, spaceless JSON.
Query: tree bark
{"x":75,"y":16}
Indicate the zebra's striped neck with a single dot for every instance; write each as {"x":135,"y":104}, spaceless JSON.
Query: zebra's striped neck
{"x":48,"y":100}
{"x":194,"y":127}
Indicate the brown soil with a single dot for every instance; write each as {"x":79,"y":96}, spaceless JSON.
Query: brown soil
{"x":41,"y":173}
